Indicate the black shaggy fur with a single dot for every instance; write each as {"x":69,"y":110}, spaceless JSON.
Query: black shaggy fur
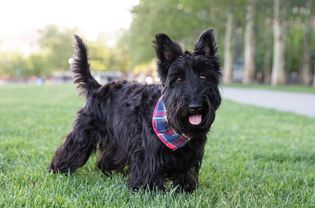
{"x":116,"y":118}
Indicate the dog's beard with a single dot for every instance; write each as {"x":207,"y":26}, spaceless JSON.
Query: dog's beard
{"x":180,"y":118}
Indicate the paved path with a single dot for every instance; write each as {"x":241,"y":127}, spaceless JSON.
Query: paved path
{"x":300,"y":103}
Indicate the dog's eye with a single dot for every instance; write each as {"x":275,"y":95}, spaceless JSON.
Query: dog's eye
{"x":202,"y":76}
{"x":179,"y":79}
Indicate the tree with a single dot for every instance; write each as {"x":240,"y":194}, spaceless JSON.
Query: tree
{"x":249,"y":40}
{"x":306,"y":75}
{"x":37,"y":65}
{"x":14,"y":65}
{"x":57,"y":45}
{"x":278,"y":67}
{"x":103,"y":58}
{"x":228,"y":50}
{"x":182,"y":20}
{"x":98,"y":55}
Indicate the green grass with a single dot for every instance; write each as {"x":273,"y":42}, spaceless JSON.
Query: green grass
{"x":254,"y":158}
{"x":287,"y":88}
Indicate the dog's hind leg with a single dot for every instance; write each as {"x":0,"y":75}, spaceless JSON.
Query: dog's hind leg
{"x":77,"y":147}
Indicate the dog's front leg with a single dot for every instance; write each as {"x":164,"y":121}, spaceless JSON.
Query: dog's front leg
{"x":186,"y":181}
{"x":145,"y":172}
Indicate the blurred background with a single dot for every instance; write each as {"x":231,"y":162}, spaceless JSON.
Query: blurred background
{"x":268,"y":42}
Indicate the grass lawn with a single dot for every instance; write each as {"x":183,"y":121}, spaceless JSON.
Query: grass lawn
{"x":287,"y":88}
{"x":254,"y":158}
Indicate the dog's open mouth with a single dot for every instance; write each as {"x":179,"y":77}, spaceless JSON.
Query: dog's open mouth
{"x":195,"y":119}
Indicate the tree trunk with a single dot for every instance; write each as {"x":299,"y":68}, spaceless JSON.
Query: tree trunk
{"x":267,"y":70}
{"x":306,"y":75}
{"x":228,"y":54}
{"x":306,"y":68}
{"x":278,"y":71}
{"x":249,"y":54}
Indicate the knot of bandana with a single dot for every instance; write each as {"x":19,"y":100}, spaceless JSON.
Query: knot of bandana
{"x":166,"y":133}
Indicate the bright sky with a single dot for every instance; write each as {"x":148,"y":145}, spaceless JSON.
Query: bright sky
{"x":21,"y":19}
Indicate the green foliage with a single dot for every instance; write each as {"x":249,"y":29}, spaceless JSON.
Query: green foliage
{"x":175,"y":18}
{"x":38,"y":66}
{"x":14,"y":65}
{"x":55,"y":51}
{"x":254,"y":158}
{"x":57,"y":45}
{"x":183,"y":20}
{"x":99,"y":56}
{"x":104,"y":58}
{"x":294,"y":51}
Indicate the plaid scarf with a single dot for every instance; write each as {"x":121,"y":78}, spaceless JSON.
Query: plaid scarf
{"x":166,"y":133}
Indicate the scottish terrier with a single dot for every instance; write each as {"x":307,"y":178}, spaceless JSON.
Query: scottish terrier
{"x":158,"y":131}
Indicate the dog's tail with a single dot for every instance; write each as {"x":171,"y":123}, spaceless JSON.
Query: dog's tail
{"x":80,"y":67}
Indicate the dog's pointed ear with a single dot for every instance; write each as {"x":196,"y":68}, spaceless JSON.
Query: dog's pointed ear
{"x":206,"y":44}
{"x":166,"y":52}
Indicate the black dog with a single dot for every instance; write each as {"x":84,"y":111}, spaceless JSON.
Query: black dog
{"x":159,"y":131}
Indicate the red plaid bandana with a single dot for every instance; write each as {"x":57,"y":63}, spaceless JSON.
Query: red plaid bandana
{"x":166,"y":133}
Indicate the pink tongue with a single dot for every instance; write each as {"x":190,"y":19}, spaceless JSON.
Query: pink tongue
{"x":195,"y":119}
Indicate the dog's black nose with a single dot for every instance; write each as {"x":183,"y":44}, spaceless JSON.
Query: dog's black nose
{"x":195,"y":107}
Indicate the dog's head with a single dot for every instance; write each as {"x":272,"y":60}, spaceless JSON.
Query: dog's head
{"x":190,"y":82}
